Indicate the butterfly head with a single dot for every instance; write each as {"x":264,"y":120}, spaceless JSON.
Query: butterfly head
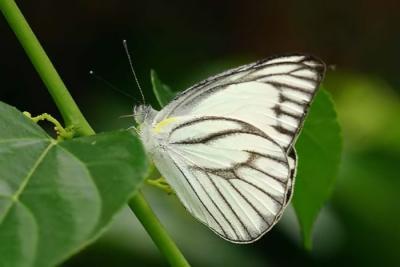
{"x":144,"y":114}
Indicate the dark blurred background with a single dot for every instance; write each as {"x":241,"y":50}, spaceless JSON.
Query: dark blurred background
{"x":185,"y":41}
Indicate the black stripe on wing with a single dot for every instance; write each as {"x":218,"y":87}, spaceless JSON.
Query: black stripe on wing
{"x":199,"y":198}
{"x":261,"y":64}
{"x":243,"y":225}
{"x":211,"y":214}
{"x":244,"y":125}
{"x":232,"y":173}
{"x":245,"y":128}
{"x":216,"y":206}
{"x":292,"y":156}
{"x":258,"y":211}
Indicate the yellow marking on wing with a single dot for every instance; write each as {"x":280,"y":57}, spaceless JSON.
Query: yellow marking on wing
{"x":159,"y":126}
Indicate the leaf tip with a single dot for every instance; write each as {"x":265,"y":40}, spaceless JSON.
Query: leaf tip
{"x":307,"y":242}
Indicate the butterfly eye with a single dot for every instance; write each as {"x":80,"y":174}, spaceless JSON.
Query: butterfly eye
{"x":135,"y":110}
{"x":139,"y":114}
{"x":143,"y":113}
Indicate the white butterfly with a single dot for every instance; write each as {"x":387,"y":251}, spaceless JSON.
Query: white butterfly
{"x":226,"y":145}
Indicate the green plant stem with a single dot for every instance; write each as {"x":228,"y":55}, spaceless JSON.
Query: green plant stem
{"x":74,"y":118}
{"x":160,"y":237}
{"x":56,"y":87}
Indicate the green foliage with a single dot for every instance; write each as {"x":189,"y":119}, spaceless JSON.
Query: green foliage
{"x":163,"y":93}
{"x":366,"y":94}
{"x":57,"y":196}
{"x":318,"y":148}
{"x":367,"y":196}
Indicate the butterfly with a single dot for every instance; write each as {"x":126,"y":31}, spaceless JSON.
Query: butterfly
{"x":226,"y":144}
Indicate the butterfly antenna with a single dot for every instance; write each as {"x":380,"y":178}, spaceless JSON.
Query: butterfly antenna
{"x":126,"y":116}
{"x":132,"y":69}
{"x":113,"y":87}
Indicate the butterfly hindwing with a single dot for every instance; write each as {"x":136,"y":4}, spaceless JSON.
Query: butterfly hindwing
{"x":233,"y":180}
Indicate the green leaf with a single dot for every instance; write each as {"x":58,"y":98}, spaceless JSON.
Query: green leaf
{"x":56,"y":197}
{"x":163,"y":92}
{"x":319,"y":149}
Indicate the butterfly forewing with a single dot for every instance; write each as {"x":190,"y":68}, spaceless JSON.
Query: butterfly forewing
{"x":227,"y":149}
{"x":273,"y":95}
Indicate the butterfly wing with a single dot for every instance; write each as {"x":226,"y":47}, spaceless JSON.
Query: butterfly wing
{"x":229,"y":151}
{"x":273,"y":95}
{"x":229,"y":174}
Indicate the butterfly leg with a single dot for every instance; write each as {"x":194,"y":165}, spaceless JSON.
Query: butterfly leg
{"x":162,"y":184}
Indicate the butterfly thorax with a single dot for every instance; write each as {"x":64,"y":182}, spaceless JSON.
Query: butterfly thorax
{"x":152,"y":133}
